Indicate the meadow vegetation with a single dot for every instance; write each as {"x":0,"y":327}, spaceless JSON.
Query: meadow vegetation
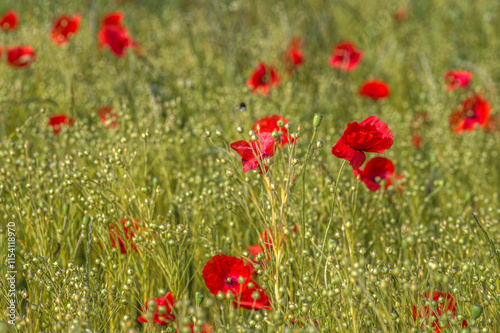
{"x":110,"y":214}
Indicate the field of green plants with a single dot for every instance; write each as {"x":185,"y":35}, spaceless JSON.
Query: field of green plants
{"x":249,"y":166}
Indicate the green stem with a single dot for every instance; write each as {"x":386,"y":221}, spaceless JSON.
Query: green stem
{"x":331,"y":216}
{"x":304,"y":189}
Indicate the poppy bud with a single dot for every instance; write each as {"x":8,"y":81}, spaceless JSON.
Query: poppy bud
{"x":320,"y":144}
{"x":251,"y":133}
{"x":275,"y":134}
{"x":281,"y":123}
{"x":476,"y":311}
{"x":318,"y":117}
{"x":240,"y":129}
{"x":254,"y":137}
{"x":218,"y":133}
{"x":208,"y":134}
{"x":199,"y":297}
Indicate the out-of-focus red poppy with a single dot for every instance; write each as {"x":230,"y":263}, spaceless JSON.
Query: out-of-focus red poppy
{"x":20,"y":56}
{"x":165,"y":317}
{"x":129,"y":235}
{"x":269,"y":124}
{"x":263,"y":78}
{"x":457,"y":79}
{"x":222,"y":274}
{"x":416,"y":140}
{"x":114,"y":34}
{"x":420,"y":120}
{"x":345,"y":57}
{"x":206,"y":328}
{"x":57,"y":121}
{"x":9,"y":21}
{"x":371,"y":135}
{"x":374,"y":89}
{"x":376,"y":170}
{"x":113,"y":18}
{"x":255,"y":152}
{"x":116,"y":38}
{"x":447,"y":307}
{"x":473,"y":112}
{"x":293,"y":56}
{"x":400,"y":15}
{"x":493,"y":124}
{"x":108,"y":117}
{"x":65,"y":26}
{"x":253,"y":298}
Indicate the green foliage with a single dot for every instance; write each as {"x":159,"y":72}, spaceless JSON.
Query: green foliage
{"x":185,"y":188}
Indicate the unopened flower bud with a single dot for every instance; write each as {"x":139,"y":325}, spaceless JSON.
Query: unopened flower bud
{"x":240,"y":129}
{"x":199,"y":297}
{"x":218,"y":133}
{"x":254,"y":137}
{"x":319,"y":144}
{"x":275,"y":134}
{"x":281,"y":123}
{"x":476,"y":311}
{"x":208,"y":134}
{"x":318,"y":117}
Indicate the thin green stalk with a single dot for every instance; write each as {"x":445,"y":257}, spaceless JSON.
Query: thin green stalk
{"x":306,"y":161}
{"x":493,"y":247}
{"x":331,"y":218}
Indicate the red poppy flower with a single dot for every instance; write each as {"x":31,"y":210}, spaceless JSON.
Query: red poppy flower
{"x":247,"y":299}
{"x":400,"y":15}
{"x":371,"y":135}
{"x":129,"y":235}
{"x":293,"y":56}
{"x":108,"y":117}
{"x":449,"y":306}
{"x":65,"y":26}
{"x":21,"y":56}
{"x":254,"y":251}
{"x":416,"y":140}
{"x":345,"y":57}
{"x":222,"y":274}
{"x":206,"y":328}
{"x":457,"y":79}
{"x":165,"y":317}
{"x":376,"y":170}
{"x":473,"y":111}
{"x":57,"y":121}
{"x":263,"y":78}
{"x":269,"y":124}
{"x":113,"y":18}
{"x":9,"y":21}
{"x":263,"y":148}
{"x":116,"y":38}
{"x":374,"y":89}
